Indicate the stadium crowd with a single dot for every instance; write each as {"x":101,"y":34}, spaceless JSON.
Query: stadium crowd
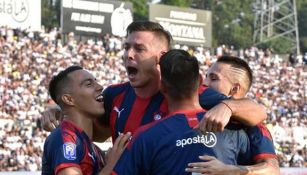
{"x":28,"y":60}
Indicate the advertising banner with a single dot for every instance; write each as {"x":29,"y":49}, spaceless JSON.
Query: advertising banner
{"x":96,"y":17}
{"x":22,"y":14}
{"x":187,"y":26}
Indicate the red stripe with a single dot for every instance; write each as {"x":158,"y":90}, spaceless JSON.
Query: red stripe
{"x":113,"y":115}
{"x":264,"y":156}
{"x":136,"y":114}
{"x":68,"y":132}
{"x":164,"y":108}
{"x":114,"y":173}
{"x":264,"y":130}
{"x":59,"y":168}
{"x":202,"y":88}
{"x":191,"y":116}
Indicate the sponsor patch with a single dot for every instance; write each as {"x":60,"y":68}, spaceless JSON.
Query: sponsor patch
{"x":69,"y":150}
{"x":209,"y":140}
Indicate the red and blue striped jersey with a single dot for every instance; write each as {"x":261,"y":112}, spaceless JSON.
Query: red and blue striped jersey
{"x":262,"y":145}
{"x":69,"y":146}
{"x":168,"y":145}
{"x":125,"y":111}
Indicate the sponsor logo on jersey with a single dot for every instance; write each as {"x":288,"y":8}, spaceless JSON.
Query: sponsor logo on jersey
{"x":209,"y":140}
{"x":69,"y":151}
{"x":118,"y":111}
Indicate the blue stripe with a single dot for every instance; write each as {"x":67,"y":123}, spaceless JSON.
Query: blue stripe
{"x":127,"y":104}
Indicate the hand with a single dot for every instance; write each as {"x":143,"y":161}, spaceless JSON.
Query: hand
{"x":51,"y":118}
{"x":114,"y":153}
{"x":212,"y":166}
{"x":215,"y":119}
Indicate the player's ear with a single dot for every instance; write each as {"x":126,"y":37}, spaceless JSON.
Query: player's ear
{"x":162,"y":53}
{"x":67,"y":99}
{"x":235,"y":89}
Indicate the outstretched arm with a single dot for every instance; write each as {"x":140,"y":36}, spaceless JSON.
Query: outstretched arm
{"x":216,"y":167}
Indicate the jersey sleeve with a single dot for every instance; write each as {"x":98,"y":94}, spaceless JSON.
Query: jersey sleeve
{"x":136,"y":157}
{"x":261,"y":142}
{"x":63,"y":153}
{"x":208,"y":97}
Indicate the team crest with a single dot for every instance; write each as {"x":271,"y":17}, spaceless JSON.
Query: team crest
{"x":157,"y":117}
{"x":69,"y":150}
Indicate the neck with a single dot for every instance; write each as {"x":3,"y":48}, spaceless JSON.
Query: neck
{"x":186,"y":104}
{"x":82,"y":121}
{"x":148,"y":91}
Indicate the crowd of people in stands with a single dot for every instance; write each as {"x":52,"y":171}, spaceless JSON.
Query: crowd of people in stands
{"x":28,"y":60}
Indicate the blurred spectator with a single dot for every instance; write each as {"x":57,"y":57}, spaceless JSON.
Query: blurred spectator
{"x":29,"y":59}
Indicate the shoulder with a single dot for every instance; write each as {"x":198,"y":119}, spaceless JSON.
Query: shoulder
{"x":117,"y":88}
{"x":54,"y":138}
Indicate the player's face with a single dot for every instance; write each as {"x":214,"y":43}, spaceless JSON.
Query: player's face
{"x":216,"y":78}
{"x":141,"y":56}
{"x":86,"y":93}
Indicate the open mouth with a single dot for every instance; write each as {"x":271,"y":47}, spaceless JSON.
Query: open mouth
{"x":99,"y":98}
{"x":132,"y":70}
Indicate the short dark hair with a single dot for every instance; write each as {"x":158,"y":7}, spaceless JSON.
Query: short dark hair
{"x":59,"y":82}
{"x":239,"y":63}
{"x":137,"y":26}
{"x":179,"y":73}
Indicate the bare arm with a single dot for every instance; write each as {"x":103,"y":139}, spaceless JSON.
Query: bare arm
{"x":247,"y":111}
{"x":264,"y":166}
{"x":70,"y":171}
{"x":216,"y":167}
{"x":244,"y":110}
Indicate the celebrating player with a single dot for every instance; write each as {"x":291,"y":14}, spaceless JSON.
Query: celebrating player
{"x":69,"y":149}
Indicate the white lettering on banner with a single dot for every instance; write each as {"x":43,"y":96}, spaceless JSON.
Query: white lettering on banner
{"x":82,"y":17}
{"x":208,"y":140}
{"x":183,"y":15}
{"x":184,"y":30}
{"x":85,"y":17}
{"x":108,"y":8}
{"x":85,"y":5}
{"x":97,"y":19}
{"x":67,"y":3}
{"x":88,"y":5}
{"x":88,"y":29}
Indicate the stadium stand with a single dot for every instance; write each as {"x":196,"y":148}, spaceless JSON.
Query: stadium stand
{"x":28,"y":60}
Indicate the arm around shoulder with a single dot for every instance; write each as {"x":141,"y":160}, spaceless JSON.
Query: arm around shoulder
{"x":246,"y":111}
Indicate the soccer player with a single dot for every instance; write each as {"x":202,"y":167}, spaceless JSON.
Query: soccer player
{"x":168,"y":145}
{"x":69,"y":149}
{"x":139,"y":101}
{"x":233,"y":77}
